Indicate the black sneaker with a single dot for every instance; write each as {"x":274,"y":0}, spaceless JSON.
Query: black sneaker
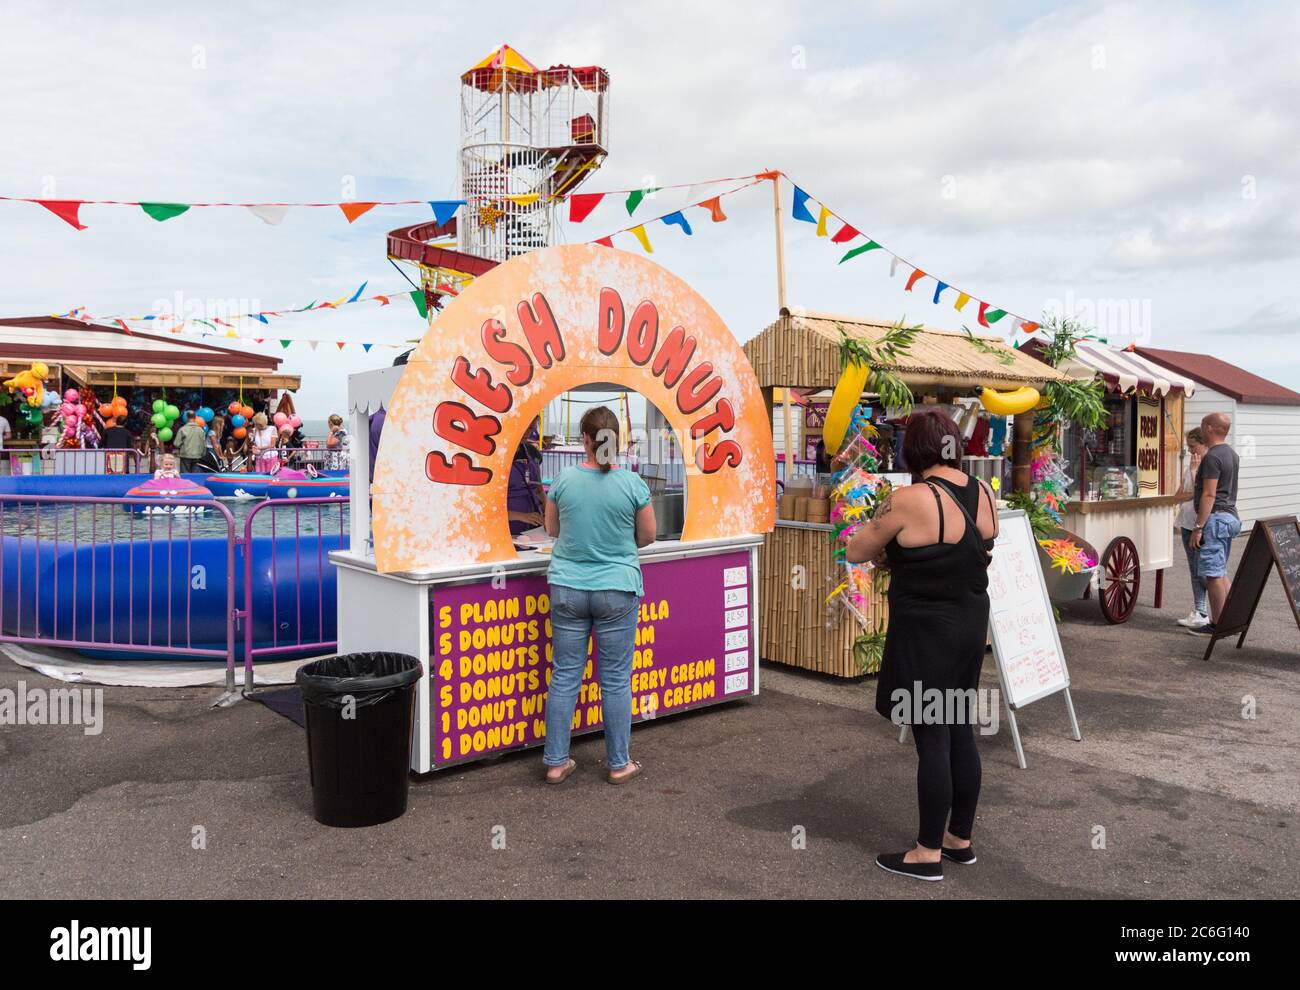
{"x":966,"y":857}
{"x":893,"y":863}
{"x":1205,"y":630}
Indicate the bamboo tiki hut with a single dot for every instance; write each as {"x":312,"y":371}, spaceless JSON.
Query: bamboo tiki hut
{"x":796,"y":357}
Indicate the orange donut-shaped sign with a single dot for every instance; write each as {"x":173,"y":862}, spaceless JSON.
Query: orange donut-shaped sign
{"x":528,"y":331}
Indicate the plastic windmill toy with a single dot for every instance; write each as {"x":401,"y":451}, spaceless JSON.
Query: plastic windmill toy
{"x":858,"y":491}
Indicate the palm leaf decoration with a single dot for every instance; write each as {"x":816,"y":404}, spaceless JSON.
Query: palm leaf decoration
{"x":877,"y":356}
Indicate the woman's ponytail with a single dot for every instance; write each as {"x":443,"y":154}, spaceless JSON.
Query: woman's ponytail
{"x":600,"y":426}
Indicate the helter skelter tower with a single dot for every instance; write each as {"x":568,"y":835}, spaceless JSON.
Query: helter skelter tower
{"x":528,"y":137}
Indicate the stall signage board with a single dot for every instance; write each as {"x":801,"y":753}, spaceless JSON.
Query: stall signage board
{"x":1148,"y":446}
{"x":1272,"y":541}
{"x":1026,"y":643}
{"x":696,"y":645}
{"x":529,"y":330}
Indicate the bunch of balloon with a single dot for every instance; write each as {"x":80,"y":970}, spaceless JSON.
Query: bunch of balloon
{"x":113,"y":410}
{"x":240,"y":414}
{"x":283,"y":420}
{"x":164,"y":416}
{"x":75,"y":419}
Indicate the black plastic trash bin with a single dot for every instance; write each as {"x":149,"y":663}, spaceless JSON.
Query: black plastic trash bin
{"x":359,"y":711}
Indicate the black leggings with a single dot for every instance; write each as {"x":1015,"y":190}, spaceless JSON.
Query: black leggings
{"x":947,"y":779}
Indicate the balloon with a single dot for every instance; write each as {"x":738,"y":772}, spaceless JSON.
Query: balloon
{"x":159,"y":420}
{"x":295,"y":422}
{"x":206,"y":414}
{"x":237,"y":420}
{"x":172,"y":412}
{"x":233,"y":408}
{"x":105,"y":410}
{"x":239,"y":433}
{"x":80,"y":408}
{"x":159,"y":405}
{"x":201,"y":421}
{"x":281,"y":419}
{"x":71,"y":395}
{"x":246,"y":412}
{"x":165,"y":434}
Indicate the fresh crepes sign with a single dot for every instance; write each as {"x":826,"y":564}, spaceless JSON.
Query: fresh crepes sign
{"x":521,"y":335}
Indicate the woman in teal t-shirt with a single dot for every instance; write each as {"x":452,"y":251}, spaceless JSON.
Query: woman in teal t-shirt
{"x":600,"y":515}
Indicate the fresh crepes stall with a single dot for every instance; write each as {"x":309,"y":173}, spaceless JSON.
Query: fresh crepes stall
{"x":434,"y":571}
{"x":1121,"y":479}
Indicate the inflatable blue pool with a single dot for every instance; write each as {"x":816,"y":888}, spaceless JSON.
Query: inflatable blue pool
{"x":322,"y":487}
{"x":166,"y":592}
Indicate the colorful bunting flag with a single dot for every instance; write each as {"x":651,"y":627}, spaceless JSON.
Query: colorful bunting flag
{"x":581,"y":205}
{"x":962,"y":300}
{"x":714,"y":206}
{"x":821,"y":221}
{"x":639,"y":233}
{"x":366,"y":347}
{"x":860,"y":249}
{"x":800,"y":208}
{"x":65,"y":210}
{"x":357,"y":295}
{"x":285,"y":344}
{"x":340,"y":344}
{"x":678,"y":219}
{"x":994,"y":315}
{"x":354,"y":210}
{"x":938,"y":290}
{"x":605,"y":241}
{"x":421,"y":302}
{"x":524,"y":199}
{"x":635,"y":197}
{"x":983,"y":309}
{"x":1029,"y":327}
{"x":164,"y":211}
{"x":267,"y":213}
{"x":916,"y":276}
{"x":444,"y":209}
{"x":846,"y":233}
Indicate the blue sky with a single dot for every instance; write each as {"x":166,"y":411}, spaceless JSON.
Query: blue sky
{"x":1135,"y":162}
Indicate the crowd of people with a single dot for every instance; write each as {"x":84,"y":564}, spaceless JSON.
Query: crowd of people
{"x":265,"y":443}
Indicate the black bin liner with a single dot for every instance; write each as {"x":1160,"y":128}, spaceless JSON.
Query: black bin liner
{"x":359,"y":710}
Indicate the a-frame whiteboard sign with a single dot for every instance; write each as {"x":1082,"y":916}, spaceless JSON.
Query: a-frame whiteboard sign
{"x":1026,"y":643}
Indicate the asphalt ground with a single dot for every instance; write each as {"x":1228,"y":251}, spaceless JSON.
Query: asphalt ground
{"x":1171,"y":793}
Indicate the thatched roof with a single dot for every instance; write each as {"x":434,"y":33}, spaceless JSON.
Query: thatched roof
{"x":802,"y":350}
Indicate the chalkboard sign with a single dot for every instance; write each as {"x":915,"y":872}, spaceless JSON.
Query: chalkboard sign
{"x":1272,"y":541}
{"x":1026,"y":643}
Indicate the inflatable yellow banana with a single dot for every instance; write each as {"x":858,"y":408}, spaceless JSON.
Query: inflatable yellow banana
{"x":1018,"y":400}
{"x":848,"y":390}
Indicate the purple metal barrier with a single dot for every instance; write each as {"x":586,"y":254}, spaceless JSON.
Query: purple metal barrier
{"x":79,"y":572}
{"x":304,"y":623}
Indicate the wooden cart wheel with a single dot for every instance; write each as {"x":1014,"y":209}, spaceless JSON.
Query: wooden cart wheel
{"x":1121,"y":580}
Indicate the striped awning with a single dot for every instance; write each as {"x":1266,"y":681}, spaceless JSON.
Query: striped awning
{"x":1124,"y":371}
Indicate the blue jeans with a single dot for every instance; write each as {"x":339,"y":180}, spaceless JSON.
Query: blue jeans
{"x":574,"y":614}
{"x":1200,"y":600}
{"x":1216,"y":544}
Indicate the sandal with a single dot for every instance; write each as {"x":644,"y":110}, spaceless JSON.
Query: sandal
{"x":629,"y":772}
{"x":564,"y":774}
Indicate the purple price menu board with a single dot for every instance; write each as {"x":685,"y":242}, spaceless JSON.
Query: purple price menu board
{"x":492,"y":651}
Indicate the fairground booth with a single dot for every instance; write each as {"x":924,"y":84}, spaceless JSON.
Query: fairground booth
{"x":797,"y":361}
{"x":433,"y":570}
{"x":101,"y":362}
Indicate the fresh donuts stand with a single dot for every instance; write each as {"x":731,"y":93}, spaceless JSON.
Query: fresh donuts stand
{"x":433,"y":570}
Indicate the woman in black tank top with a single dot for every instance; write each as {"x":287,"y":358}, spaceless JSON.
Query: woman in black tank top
{"x":938,"y":621}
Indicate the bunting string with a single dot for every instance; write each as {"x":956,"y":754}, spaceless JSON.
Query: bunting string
{"x":69,"y":210}
{"x":848,"y":234}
